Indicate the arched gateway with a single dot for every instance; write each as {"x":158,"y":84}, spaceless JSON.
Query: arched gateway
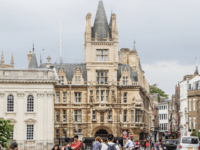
{"x":101,"y":131}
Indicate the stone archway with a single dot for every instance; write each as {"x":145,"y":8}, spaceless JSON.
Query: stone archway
{"x":101,"y":129}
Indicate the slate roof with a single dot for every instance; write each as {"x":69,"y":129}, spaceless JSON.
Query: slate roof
{"x":33,"y":63}
{"x":70,"y":69}
{"x":133,"y":74}
{"x":100,"y":24}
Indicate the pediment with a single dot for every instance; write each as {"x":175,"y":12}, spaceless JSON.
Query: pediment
{"x":12,"y":120}
{"x":30,"y":120}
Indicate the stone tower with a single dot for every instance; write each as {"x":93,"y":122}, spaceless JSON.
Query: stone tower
{"x":101,"y":45}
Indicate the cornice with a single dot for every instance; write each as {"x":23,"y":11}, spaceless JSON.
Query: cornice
{"x":10,"y":81}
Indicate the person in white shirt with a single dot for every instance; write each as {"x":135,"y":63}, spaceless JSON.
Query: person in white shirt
{"x":129,"y":144}
{"x":110,"y":145}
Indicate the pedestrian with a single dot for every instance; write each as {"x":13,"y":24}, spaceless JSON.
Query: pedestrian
{"x":129,"y":144}
{"x":152,"y":145}
{"x":144,"y":144}
{"x":76,"y":145}
{"x":157,"y":145}
{"x":162,"y":145}
{"x":147,"y":145}
{"x":13,"y":146}
{"x":97,"y":144}
{"x":117,"y":142}
{"x":56,"y":147}
{"x":137,"y":145}
{"x":110,"y":145}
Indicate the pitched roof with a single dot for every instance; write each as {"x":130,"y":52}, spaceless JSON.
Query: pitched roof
{"x":100,"y":24}
{"x":133,"y":74}
{"x":70,"y":69}
{"x":33,"y":63}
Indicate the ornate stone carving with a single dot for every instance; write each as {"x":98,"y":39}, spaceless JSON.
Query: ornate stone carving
{"x":50,"y":95}
{"x":2,"y":94}
{"x":20,"y":94}
{"x":40,"y":94}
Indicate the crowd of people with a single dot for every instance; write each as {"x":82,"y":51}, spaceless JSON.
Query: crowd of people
{"x":102,"y":144}
{"x":146,"y":145}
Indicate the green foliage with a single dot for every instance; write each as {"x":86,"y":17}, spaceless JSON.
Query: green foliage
{"x":5,"y":132}
{"x":195,"y":133}
{"x":155,"y":89}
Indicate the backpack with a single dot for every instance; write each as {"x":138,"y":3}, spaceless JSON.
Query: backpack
{"x":147,"y":144}
{"x":157,"y":144}
{"x":111,"y":147}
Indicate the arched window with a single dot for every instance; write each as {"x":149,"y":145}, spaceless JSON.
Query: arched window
{"x":10,"y":103}
{"x":30,"y":103}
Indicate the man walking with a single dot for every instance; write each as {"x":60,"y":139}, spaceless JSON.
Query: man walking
{"x":129,"y":144}
{"x":110,"y":145}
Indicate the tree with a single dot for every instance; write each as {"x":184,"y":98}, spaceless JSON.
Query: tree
{"x":5,"y":132}
{"x":155,"y":89}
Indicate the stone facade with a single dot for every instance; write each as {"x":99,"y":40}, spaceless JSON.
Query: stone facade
{"x":194,"y":104}
{"x":26,"y":98}
{"x":106,"y":94}
{"x":155,"y":117}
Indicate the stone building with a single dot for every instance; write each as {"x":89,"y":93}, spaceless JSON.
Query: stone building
{"x":163,"y":119}
{"x":194,"y":104}
{"x":177,"y":103}
{"x":155,"y":117}
{"x":26,"y":98}
{"x":108,"y":93}
{"x":2,"y":62}
{"x":184,"y":87}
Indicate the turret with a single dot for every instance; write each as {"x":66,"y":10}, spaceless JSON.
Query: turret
{"x":2,"y":59}
{"x":88,"y":31}
{"x":12,"y":61}
{"x":113,"y":26}
{"x":29,"y":57}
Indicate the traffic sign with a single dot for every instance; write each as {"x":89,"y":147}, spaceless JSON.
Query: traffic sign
{"x":169,"y":133}
{"x":131,"y":135}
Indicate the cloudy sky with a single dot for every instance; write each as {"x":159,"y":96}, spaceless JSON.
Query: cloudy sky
{"x":167,"y":32}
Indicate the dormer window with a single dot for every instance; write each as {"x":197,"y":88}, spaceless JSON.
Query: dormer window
{"x":77,"y":80}
{"x":61,"y":80}
{"x":125,"y":80}
{"x":102,"y":55}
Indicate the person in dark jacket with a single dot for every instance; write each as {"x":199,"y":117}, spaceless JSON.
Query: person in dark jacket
{"x":56,"y":147}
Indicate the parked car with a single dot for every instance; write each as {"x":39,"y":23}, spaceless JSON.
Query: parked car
{"x":170,"y":144}
{"x":189,"y":143}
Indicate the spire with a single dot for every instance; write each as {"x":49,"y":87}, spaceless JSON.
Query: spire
{"x":134,"y":48}
{"x":2,"y":58}
{"x":196,"y":72}
{"x":33,"y":62}
{"x":33,"y":47}
{"x":100,"y":23}
{"x":12,"y":61}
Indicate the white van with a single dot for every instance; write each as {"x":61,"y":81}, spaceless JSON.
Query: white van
{"x":189,"y":143}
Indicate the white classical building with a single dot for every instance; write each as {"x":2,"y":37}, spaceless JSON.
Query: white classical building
{"x":27,"y":99}
{"x":163,"y":116}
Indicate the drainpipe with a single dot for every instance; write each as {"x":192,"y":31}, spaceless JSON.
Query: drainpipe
{"x":69,"y":110}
